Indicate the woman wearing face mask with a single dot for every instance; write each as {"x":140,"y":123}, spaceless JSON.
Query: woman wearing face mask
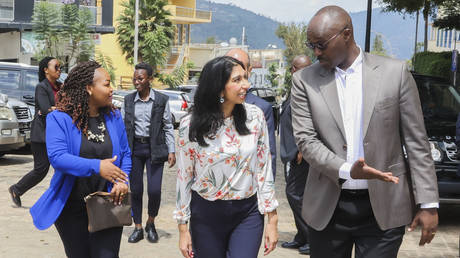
{"x":49,"y":71}
{"x":88,"y":148}
{"x":224,"y":181}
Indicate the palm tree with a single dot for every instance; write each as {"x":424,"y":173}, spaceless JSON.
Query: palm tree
{"x":156,"y":31}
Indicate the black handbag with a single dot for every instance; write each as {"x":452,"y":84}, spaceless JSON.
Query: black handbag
{"x":103,"y":213}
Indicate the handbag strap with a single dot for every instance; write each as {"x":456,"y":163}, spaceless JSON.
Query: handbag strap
{"x":96,"y":193}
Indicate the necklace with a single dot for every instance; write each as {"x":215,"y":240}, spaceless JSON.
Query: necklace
{"x":97,"y":138}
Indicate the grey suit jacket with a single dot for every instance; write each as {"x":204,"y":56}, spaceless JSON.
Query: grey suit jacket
{"x":392,"y":117}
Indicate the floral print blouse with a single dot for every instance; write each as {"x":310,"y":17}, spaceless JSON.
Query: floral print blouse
{"x":232,"y":167}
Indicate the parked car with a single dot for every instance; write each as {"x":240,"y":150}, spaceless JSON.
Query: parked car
{"x":19,"y":81}
{"x":441,"y":105}
{"x":269,"y":96}
{"x":15,"y":120}
{"x":188,"y":89}
{"x":179,"y":103}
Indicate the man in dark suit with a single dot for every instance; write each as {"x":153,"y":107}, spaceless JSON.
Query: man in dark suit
{"x":295,"y":167}
{"x":352,"y":113}
{"x":243,"y":57}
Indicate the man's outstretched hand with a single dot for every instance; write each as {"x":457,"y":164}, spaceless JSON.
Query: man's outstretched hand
{"x":360,"y":170}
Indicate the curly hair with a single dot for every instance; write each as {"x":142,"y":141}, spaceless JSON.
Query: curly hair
{"x":41,"y":67}
{"x":73,"y":98}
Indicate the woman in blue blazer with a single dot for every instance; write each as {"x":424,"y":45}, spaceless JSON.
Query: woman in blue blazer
{"x":88,"y":148}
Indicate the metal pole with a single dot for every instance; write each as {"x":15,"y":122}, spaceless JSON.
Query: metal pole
{"x":416,"y":36}
{"x":136,"y":32}
{"x":368,"y":26}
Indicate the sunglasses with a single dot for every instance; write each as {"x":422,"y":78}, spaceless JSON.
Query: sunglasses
{"x":323,"y":46}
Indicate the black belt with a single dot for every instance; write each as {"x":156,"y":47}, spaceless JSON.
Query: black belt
{"x":354,"y":193}
{"x":142,"y":139}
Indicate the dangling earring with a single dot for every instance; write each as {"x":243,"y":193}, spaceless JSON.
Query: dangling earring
{"x":221,"y":100}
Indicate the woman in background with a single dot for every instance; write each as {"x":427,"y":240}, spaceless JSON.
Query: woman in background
{"x":49,"y":71}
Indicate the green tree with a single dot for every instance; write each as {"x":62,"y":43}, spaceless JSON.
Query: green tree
{"x":211,"y":40}
{"x":156,"y":31}
{"x":273,"y":75}
{"x":63,"y":31}
{"x":428,"y":8}
{"x":450,"y":18}
{"x":177,"y":76}
{"x":377,"y":46}
{"x":107,"y":63}
{"x":294,"y":37}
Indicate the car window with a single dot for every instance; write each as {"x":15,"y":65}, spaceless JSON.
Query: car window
{"x":31,"y":81}
{"x":172,"y":96}
{"x":439,"y":100}
{"x":9,"y":79}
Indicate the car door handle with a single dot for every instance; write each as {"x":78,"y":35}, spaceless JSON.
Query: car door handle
{"x":28,"y":96}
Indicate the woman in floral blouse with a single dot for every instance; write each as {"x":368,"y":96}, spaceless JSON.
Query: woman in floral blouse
{"x":224,"y":182}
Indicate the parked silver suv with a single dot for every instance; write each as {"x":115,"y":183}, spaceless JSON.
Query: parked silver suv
{"x":15,"y":120}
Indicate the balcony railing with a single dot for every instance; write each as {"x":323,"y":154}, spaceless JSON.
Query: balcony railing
{"x":6,"y":10}
{"x":185,"y":12}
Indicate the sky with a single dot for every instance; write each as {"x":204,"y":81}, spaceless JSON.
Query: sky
{"x":295,"y":10}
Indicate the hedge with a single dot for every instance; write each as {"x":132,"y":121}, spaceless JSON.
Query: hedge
{"x":434,"y":64}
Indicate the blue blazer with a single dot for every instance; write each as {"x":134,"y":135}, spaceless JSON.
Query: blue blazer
{"x":63,"y":140}
{"x":268,"y":114}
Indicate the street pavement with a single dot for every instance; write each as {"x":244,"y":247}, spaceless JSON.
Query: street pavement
{"x":19,"y":238}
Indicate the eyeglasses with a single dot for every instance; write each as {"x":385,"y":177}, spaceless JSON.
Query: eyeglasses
{"x":323,"y":46}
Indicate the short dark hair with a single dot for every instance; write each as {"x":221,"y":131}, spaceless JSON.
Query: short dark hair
{"x":146,"y":67}
{"x":41,"y":67}
{"x":207,"y":115}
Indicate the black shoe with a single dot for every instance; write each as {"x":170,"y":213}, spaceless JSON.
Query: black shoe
{"x":136,"y":236}
{"x":305,"y":249}
{"x":152,"y":235}
{"x":15,"y":197}
{"x":294,"y":244}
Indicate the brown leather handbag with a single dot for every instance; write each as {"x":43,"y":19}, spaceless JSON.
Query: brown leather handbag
{"x":103,"y":213}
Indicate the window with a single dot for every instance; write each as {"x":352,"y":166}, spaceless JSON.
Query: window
{"x":9,"y":79}
{"x":445,"y":38}
{"x":31,"y":81}
{"x":450,"y":38}
{"x":6,"y":10}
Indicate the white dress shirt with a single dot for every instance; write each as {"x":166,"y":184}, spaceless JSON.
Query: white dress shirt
{"x":350,"y":92}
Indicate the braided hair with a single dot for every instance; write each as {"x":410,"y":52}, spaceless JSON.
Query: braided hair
{"x":41,"y":67}
{"x":73,"y":98}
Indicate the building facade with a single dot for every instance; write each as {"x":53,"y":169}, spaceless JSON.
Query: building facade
{"x":183,"y":15}
{"x":443,"y":39}
{"x":16,"y":36}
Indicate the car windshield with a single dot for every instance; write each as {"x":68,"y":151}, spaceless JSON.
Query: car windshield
{"x":439,"y":100}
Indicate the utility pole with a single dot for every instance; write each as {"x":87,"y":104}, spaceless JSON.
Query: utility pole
{"x":368,"y":26}
{"x":136,"y":32}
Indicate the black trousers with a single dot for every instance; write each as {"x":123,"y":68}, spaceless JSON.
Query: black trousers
{"x":225,"y":229}
{"x":72,"y":226}
{"x":141,"y":159}
{"x":353,"y":223}
{"x":35,"y":176}
{"x":296,"y":178}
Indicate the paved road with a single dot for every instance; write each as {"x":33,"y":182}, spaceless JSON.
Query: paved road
{"x":19,"y":238}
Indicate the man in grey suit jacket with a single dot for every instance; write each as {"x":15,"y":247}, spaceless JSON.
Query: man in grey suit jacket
{"x":352,"y":113}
